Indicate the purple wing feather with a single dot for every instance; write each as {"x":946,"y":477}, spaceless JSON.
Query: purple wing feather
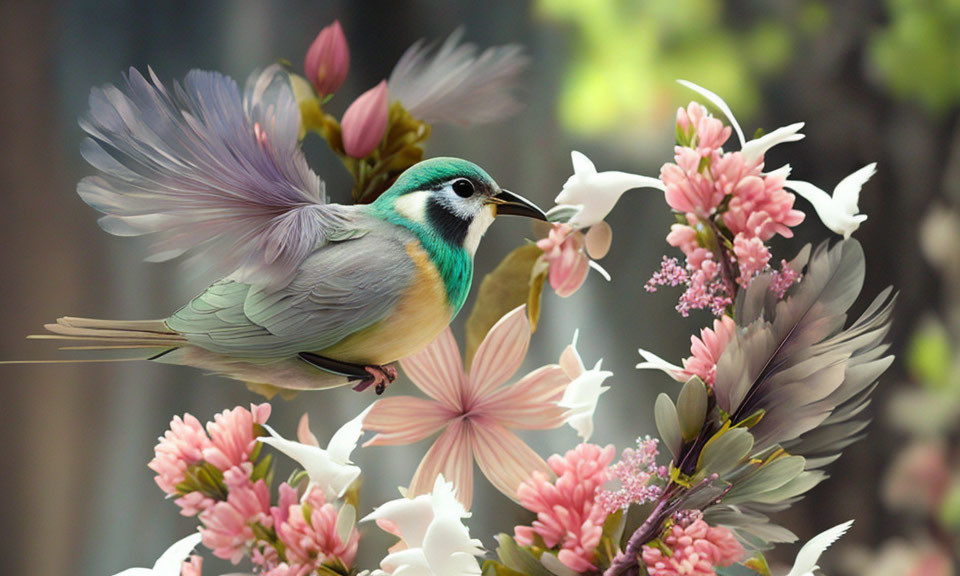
{"x":208,"y":171}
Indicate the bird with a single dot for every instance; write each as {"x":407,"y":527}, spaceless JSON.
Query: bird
{"x":837,"y":212}
{"x":809,"y":554}
{"x":316,"y":294}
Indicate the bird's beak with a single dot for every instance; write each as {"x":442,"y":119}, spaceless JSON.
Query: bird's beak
{"x":508,"y":203}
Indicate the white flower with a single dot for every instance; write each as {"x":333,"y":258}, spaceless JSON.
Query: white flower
{"x":753,"y":149}
{"x":596,"y":193}
{"x":330,"y":469}
{"x":431,"y":526}
{"x":839,"y":212}
{"x":583,"y":393}
{"x":808,"y":556}
{"x":170,"y":562}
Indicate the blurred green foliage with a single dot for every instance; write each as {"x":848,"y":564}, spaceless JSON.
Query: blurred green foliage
{"x":929,"y":355}
{"x":917,"y":54}
{"x":627,"y":56}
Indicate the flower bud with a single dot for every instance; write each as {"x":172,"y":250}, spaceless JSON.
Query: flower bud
{"x":328,"y":60}
{"x":365,"y":121}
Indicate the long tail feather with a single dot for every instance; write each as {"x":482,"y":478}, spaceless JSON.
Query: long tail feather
{"x":152,"y":336}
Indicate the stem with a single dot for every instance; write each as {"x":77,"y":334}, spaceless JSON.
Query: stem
{"x":627,"y":561}
{"x":725,"y":270}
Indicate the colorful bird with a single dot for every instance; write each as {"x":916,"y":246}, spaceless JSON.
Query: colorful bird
{"x":316,"y":294}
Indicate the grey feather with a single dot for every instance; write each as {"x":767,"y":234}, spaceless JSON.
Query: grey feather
{"x":340,"y":289}
{"x":209,"y":172}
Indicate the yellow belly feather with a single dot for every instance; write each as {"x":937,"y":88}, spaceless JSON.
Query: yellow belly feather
{"x":419,"y":317}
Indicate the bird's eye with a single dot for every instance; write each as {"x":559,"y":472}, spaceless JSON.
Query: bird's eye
{"x":463,"y":188}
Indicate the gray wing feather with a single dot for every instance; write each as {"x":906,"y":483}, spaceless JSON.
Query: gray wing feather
{"x":340,"y":289}
{"x":208,"y":171}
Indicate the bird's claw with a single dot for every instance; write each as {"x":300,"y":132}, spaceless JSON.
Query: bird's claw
{"x":378,"y":377}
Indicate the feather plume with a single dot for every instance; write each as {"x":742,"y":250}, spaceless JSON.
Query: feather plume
{"x":208,"y":171}
{"x":455,"y":85}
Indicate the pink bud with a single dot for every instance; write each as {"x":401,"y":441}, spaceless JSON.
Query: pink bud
{"x":365,"y":121}
{"x":328,"y":60}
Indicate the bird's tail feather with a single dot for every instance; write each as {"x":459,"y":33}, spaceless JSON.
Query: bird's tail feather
{"x":152,"y":336}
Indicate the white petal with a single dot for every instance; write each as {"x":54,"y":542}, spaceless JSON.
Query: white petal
{"x":759,"y":146}
{"x":847,"y":192}
{"x":720,"y":104}
{"x":582,"y":166}
{"x":597,"y":193}
{"x":332,"y":477}
{"x":171,"y":561}
{"x":344,"y":440}
{"x":581,"y":398}
{"x":412,"y":517}
{"x":593,"y":264}
{"x":810,"y":553}
{"x":654,"y":362}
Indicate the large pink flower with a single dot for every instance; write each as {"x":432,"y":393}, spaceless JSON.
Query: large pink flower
{"x":568,"y":516}
{"x":706,"y":350}
{"x":475,"y":411}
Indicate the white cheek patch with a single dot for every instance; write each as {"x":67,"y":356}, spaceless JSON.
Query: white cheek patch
{"x":478,"y":227}
{"x":413,"y":206}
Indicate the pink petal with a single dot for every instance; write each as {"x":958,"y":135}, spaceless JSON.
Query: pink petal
{"x":437,"y":370}
{"x":451,"y":456}
{"x":304,"y":435}
{"x":571,"y":363}
{"x":531,"y":403}
{"x":503,"y":457}
{"x":405,"y":420}
{"x":500,"y":354}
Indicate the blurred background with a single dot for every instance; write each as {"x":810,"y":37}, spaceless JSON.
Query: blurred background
{"x":873,"y":80}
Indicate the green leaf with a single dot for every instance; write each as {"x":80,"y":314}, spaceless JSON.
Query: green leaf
{"x":768,"y":477}
{"x":950,"y":509}
{"x":518,"y":558}
{"x":609,"y":545}
{"x":724,"y":451}
{"x":494,"y":568}
{"x":668,"y":424}
{"x":692,"y":408}
{"x":512,"y":283}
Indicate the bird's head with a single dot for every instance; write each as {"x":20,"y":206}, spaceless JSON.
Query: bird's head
{"x":454,"y":199}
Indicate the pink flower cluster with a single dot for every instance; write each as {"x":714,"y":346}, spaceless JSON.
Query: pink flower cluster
{"x":731,"y":210}
{"x":568,"y":516}
{"x":692,"y":548}
{"x":635,"y":471}
{"x":228,"y":441}
{"x":217,"y":474}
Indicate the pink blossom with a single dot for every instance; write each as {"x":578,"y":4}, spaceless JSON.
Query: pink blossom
{"x":752,"y":256}
{"x":635,"y":471}
{"x":232,"y":436}
{"x":475,"y":411}
{"x":309,"y":532}
{"x":564,"y":251}
{"x":194,"y":503}
{"x":192,"y":567}
{"x":706,"y":350}
{"x":328,"y":60}
{"x":759,"y":206}
{"x":695,"y":550}
{"x":183,"y":444}
{"x":567,"y":515}
{"x":227,"y":525}
{"x":687,"y":188}
{"x":783,"y":279}
{"x":365,"y":121}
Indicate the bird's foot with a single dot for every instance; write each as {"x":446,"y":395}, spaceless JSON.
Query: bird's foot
{"x":378,"y":377}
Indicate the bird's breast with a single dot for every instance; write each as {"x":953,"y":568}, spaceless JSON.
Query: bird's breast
{"x":419,"y":316}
